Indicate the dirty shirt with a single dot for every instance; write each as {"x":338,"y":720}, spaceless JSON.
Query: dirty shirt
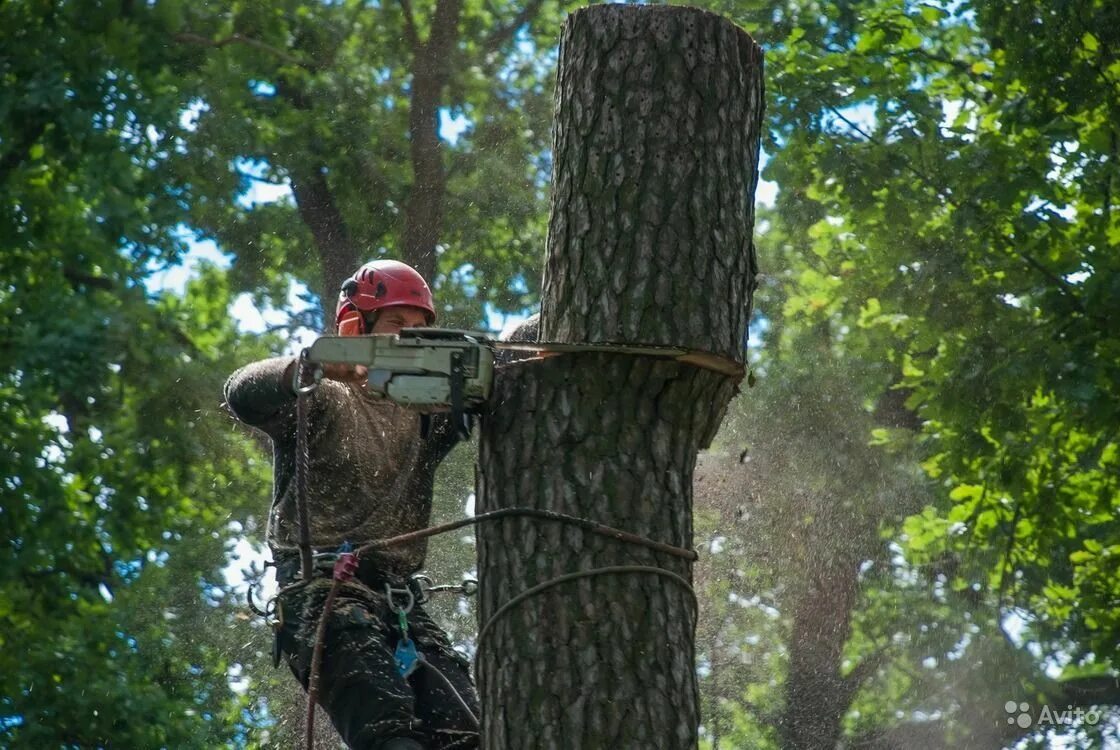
{"x":370,"y":471}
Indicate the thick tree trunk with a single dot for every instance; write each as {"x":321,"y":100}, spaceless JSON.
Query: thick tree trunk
{"x":656,"y":146}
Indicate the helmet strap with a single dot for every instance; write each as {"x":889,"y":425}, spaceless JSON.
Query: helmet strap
{"x":371,"y":320}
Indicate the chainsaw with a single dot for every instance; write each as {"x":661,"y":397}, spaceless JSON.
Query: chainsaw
{"x":428,"y":369}
{"x":441,"y":369}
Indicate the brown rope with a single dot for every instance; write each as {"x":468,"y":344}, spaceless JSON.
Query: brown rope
{"x":317,"y":663}
{"x":612,"y":569}
{"x":303,"y":471}
{"x":494,"y":515}
{"x":303,"y":468}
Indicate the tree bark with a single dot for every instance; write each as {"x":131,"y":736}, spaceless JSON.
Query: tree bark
{"x":655,"y":164}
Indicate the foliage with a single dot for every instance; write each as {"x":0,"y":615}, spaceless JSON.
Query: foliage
{"x":287,"y":94}
{"x":963,"y":235}
{"x":118,"y":483}
{"x":132,"y":129}
{"x":945,"y":225}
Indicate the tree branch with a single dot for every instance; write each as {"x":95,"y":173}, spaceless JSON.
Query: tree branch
{"x":431,"y":69}
{"x":17,"y":153}
{"x":503,"y":34}
{"x":410,"y":26}
{"x":187,"y":37}
{"x":854,"y":680}
{"x":445,"y":29}
{"x":255,"y":178}
{"x":1006,"y":566}
{"x":76,"y":278}
{"x":1103,"y":690}
{"x":317,"y":207}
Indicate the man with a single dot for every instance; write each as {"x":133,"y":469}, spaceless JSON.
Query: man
{"x":370,"y":477}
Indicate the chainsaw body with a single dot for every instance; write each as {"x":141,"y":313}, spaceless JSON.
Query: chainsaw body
{"x":430,"y":369}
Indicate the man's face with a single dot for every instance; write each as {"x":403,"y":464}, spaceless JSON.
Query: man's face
{"x":393,"y":319}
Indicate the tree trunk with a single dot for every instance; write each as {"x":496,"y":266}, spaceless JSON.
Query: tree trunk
{"x":431,"y":69}
{"x":338,"y":257}
{"x":655,"y":164}
{"x":817,"y":694}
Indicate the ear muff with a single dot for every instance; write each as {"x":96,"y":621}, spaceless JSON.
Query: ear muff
{"x":351,"y":322}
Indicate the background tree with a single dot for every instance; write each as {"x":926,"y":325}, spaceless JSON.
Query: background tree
{"x":133,"y":128}
{"x":937,"y":256}
{"x":346,"y":105}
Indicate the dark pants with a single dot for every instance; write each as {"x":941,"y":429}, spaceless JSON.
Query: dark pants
{"x":359,"y":685}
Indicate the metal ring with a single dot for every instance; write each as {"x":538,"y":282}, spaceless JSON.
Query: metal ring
{"x":470,"y":587}
{"x":297,"y":376}
{"x":317,"y":375}
{"x":389,"y":591}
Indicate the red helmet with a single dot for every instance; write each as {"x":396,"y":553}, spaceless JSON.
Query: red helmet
{"x":377,"y":285}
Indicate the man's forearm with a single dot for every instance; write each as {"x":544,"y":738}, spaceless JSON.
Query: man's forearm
{"x":256,"y":392}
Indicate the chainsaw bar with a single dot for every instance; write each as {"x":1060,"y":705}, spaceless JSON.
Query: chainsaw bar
{"x":705,"y":360}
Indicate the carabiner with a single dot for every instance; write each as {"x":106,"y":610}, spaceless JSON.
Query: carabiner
{"x":389,"y":591}
{"x":297,"y":376}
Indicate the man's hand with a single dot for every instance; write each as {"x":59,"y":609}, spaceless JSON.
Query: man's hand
{"x":337,"y":371}
{"x":346,"y":373}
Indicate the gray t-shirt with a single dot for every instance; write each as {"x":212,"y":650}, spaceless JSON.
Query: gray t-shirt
{"x":371,"y":473}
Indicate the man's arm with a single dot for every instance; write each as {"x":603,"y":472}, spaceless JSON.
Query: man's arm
{"x":257,"y":393}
